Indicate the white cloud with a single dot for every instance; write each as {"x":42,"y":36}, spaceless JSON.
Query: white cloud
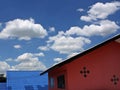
{"x":26,"y":61}
{"x":28,"y":56}
{"x":43,"y":48}
{"x":73,"y":40}
{"x":17,"y":46}
{"x":52,"y":29}
{"x":29,"y":61}
{"x":80,"y":9}
{"x":58,"y":59}
{"x":9,"y":60}
{"x":23,"y":30}
{"x":4,"y":67}
{"x":101,"y":11}
{"x":72,"y":54}
{"x":25,"y":57}
{"x":39,"y":54}
{"x":103,"y":28}
{"x":67,"y":44}
{"x":30,"y":64}
{"x":86,"y":18}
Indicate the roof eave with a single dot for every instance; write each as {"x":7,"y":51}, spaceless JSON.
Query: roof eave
{"x":81,"y":54}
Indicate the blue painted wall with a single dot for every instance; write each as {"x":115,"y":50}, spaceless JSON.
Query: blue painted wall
{"x":26,"y":80}
{"x":3,"y":86}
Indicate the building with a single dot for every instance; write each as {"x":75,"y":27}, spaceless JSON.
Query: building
{"x":97,"y":68}
{"x":3,"y":86}
{"x":26,"y":80}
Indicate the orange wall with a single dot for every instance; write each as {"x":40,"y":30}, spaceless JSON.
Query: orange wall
{"x":103,"y":63}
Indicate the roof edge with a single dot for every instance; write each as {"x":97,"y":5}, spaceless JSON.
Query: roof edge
{"x":82,"y":53}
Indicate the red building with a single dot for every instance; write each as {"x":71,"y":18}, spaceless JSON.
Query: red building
{"x":97,"y":68}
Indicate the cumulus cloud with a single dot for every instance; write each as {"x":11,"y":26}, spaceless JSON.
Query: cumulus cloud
{"x":30,"y":64}
{"x":43,"y":48}
{"x":72,"y":54}
{"x":4,"y":67}
{"x":25,"y":57}
{"x":26,"y":61}
{"x":28,"y":56}
{"x":9,"y":60}
{"x":101,"y":11}
{"x":58,"y":59}
{"x":67,"y":44}
{"x":51,"y":29}
{"x":39,"y":54}
{"x":23,"y":30}
{"x":17,"y":46}
{"x":29,"y":61}
{"x":103,"y":28}
{"x":73,"y":40}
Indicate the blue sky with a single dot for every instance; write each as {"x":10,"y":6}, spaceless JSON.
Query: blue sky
{"x":36,"y":34}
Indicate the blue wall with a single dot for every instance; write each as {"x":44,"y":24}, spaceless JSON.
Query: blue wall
{"x":3,"y":86}
{"x":26,"y":80}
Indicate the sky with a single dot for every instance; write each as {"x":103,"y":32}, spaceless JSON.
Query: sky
{"x":37,"y":34}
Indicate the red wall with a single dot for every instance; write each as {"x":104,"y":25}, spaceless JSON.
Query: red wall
{"x":55,"y":73}
{"x":103,"y":63}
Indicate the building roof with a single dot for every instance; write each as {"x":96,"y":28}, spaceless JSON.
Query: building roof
{"x":116,"y":37}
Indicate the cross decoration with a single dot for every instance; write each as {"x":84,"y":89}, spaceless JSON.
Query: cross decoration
{"x":114,"y":79}
{"x":85,"y":72}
